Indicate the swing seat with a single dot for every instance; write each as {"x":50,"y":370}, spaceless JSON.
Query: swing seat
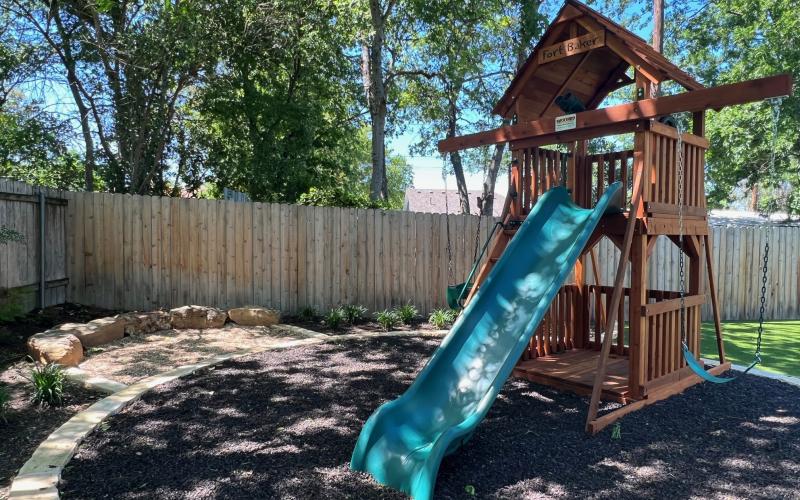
{"x":700,"y":371}
{"x":454,"y":293}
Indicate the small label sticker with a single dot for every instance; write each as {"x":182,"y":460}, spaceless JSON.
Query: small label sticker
{"x":565,"y":122}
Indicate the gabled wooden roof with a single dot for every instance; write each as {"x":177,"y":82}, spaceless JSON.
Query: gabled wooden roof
{"x":591,"y":74}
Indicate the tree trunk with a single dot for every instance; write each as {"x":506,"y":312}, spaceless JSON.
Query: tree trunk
{"x":658,"y":35}
{"x":375,"y":90}
{"x":74,"y":86}
{"x":455,"y":161}
{"x":487,"y":198}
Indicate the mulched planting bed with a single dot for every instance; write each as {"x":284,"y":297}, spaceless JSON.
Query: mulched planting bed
{"x":365,"y":326}
{"x":282,"y":424}
{"x":28,"y":424}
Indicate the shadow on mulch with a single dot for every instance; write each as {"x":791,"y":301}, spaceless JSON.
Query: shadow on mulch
{"x":282,"y":424}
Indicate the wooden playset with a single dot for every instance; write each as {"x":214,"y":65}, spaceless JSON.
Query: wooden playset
{"x":619,"y":343}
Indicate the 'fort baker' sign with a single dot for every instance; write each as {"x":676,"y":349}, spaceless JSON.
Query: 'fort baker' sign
{"x":572,"y":46}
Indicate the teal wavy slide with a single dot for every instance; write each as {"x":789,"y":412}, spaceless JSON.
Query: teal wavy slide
{"x":404,"y":441}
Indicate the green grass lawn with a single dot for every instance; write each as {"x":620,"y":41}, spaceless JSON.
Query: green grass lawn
{"x":780,"y":346}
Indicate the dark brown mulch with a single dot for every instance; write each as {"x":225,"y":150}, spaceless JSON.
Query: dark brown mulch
{"x":361,"y":327}
{"x":28,"y":424}
{"x":282,"y":424}
{"x":14,"y":334}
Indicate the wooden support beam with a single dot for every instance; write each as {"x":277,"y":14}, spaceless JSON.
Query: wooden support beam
{"x":671,"y":305}
{"x":599,"y":424}
{"x":695,"y":100}
{"x":580,"y":134}
{"x":712,"y":287}
{"x":616,"y":296}
{"x":597,"y":282}
{"x":616,"y":80}
{"x":563,"y":86}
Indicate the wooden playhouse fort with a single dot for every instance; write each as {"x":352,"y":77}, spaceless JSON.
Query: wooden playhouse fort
{"x":619,"y":343}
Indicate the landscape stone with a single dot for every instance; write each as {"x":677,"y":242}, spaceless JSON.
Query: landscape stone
{"x":96,"y":332}
{"x":144,"y":323}
{"x":197,"y":317}
{"x":254,"y":316}
{"x":56,"y":346}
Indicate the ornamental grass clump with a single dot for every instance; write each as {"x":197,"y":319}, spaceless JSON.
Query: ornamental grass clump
{"x":48,"y":384}
{"x":387,"y":319}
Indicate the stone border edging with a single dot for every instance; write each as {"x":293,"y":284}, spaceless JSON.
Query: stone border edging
{"x":93,"y":382}
{"x":39,"y":476}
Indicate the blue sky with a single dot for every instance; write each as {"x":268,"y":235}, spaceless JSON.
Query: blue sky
{"x":428,"y":169}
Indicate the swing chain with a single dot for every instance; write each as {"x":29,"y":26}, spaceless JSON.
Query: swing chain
{"x":450,"y":272}
{"x":681,"y":259}
{"x":776,"y":115}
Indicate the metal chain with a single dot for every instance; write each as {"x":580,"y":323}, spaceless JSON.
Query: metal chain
{"x":450,"y":272}
{"x":776,"y":115}
{"x":681,"y":257}
{"x":477,"y":239}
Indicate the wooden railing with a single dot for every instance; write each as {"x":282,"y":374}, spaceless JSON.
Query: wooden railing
{"x":560,"y":327}
{"x":661,"y":192}
{"x":663,"y":342}
{"x":540,"y":170}
{"x":537,"y":169}
{"x":595,"y":172}
{"x":598,"y":310}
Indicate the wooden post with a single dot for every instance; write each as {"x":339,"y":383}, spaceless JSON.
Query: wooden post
{"x":696,"y":287}
{"x":712,"y":286}
{"x":516,"y":185}
{"x":581,"y":313}
{"x":640,"y":251}
{"x":699,"y":123}
{"x":638,"y":323}
{"x":596,"y":273}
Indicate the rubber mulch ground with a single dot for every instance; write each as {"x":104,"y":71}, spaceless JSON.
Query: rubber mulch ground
{"x":282,"y":424}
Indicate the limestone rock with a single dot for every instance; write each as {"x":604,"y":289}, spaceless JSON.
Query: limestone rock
{"x":96,"y":332}
{"x":197,"y":317}
{"x":56,"y":346}
{"x":254,"y":316}
{"x":143,"y":323}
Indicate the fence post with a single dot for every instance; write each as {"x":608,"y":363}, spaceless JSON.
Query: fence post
{"x":42,"y":247}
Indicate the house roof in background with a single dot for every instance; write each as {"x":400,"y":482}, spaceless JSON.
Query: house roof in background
{"x":433,"y":201}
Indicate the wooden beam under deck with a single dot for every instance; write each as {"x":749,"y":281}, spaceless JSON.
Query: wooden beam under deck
{"x":603,"y":421}
{"x":614,"y":224}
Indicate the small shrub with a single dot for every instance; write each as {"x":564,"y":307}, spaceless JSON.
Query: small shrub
{"x":335,"y":318}
{"x":5,"y":403}
{"x":354,"y":313}
{"x":440,"y":318}
{"x":407,"y":313}
{"x":387,"y":319}
{"x":308,"y":314}
{"x":12,"y":303}
{"x":48,"y":384}
{"x":453,"y":314}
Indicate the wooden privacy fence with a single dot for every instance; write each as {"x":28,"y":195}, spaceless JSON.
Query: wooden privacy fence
{"x":139,"y":252}
{"x":21,"y":261}
{"x":135,"y":252}
{"x":737,"y":256}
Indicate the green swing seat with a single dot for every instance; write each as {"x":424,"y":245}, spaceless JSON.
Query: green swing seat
{"x":454,"y":294}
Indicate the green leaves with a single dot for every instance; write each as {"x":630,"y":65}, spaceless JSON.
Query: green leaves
{"x":738,"y":40}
